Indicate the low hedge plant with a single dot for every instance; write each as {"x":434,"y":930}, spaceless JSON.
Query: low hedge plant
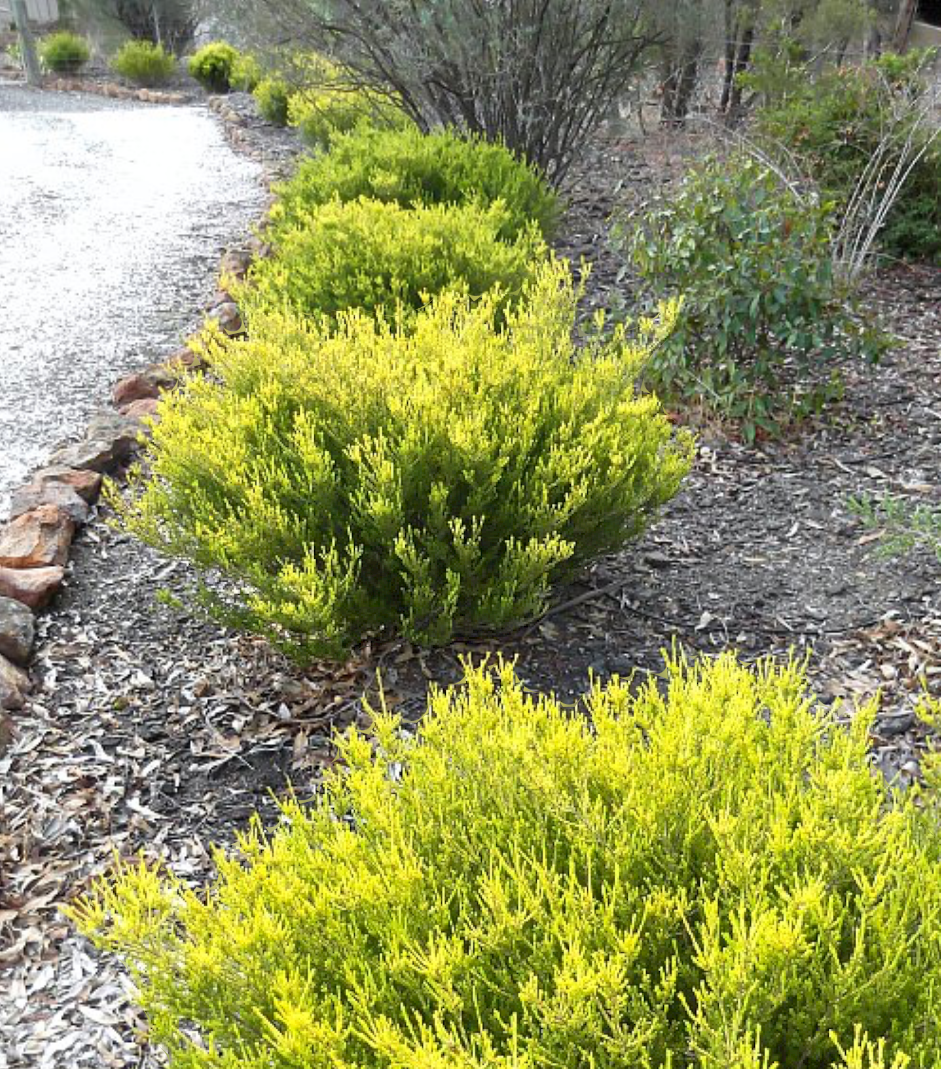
{"x":213,"y":66}
{"x":706,"y":871}
{"x":143,"y":63}
{"x":64,"y":52}
{"x":386,"y":259}
{"x":246,"y":73}
{"x":323,"y":113}
{"x":409,"y":168}
{"x":272,"y":96}
{"x":422,"y":481}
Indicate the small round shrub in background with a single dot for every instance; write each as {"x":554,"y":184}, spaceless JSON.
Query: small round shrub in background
{"x":246,"y":73}
{"x":706,"y":871}
{"x":379,"y":257}
{"x":407,"y":167}
{"x":762,"y":316}
{"x":272,"y":95}
{"x":64,"y":52}
{"x":212,"y":66}
{"x":143,"y":63}
{"x":360,"y":478}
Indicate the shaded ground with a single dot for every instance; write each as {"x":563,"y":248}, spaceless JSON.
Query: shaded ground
{"x":154,"y":731}
{"x":112,"y":220}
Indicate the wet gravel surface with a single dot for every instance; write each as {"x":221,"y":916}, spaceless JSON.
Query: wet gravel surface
{"x":112,"y":220}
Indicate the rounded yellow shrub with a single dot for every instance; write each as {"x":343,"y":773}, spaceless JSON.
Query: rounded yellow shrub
{"x":422,"y":481}
{"x":383,"y":258}
{"x":704,"y":871}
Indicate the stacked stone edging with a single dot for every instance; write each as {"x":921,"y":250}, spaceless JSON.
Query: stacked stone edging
{"x":115,"y":91}
{"x":48,"y":511}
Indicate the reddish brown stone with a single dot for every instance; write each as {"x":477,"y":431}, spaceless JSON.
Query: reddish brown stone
{"x":146,"y":406}
{"x":133,"y":388}
{"x":228,"y":316}
{"x":220,"y":297}
{"x":184,"y":360}
{"x":235,"y":264}
{"x":34,"y":495}
{"x":37,"y":539}
{"x":87,"y":484}
{"x":14,"y":685}
{"x":33,"y":587}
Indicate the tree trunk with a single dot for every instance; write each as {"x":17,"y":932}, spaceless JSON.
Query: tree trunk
{"x":33,"y":75}
{"x":742,"y":59}
{"x":903,"y":24}
{"x":683,"y":80}
{"x":731,"y":36}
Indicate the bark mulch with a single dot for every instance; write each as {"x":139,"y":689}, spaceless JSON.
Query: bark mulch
{"x":152,"y":731}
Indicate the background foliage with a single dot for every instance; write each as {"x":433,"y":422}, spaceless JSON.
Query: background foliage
{"x":762,"y":315}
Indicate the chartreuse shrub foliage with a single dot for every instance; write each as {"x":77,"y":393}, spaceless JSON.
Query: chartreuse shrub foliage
{"x":409,"y":168}
{"x":64,"y":52}
{"x":423,"y":480}
{"x":762,"y":317}
{"x":707,"y":874}
{"x":213,"y":66}
{"x":246,"y":73}
{"x":323,"y":113}
{"x":143,"y":62}
{"x":836,"y":123}
{"x":272,"y":96}
{"x":377,"y":257}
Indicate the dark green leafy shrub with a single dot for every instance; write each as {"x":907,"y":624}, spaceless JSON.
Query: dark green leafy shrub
{"x":427,"y":480}
{"x":212,"y":66}
{"x":407,"y":167}
{"x":143,"y":63}
{"x":374,"y":256}
{"x":761,"y":315}
{"x":708,"y":874}
{"x":835,"y":125}
{"x":271,"y":96}
{"x":64,"y":52}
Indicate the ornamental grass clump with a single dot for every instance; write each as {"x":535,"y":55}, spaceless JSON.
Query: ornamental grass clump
{"x":704,"y":872}
{"x":361,"y":478}
{"x":409,"y":168}
{"x":383,"y":259}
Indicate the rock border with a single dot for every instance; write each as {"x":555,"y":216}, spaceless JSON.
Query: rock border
{"x":115,"y":91}
{"x":59,"y":499}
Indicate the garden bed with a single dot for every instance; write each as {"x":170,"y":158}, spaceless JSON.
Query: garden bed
{"x":151,"y":730}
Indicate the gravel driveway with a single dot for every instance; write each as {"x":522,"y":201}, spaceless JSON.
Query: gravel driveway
{"x":112,"y":219}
